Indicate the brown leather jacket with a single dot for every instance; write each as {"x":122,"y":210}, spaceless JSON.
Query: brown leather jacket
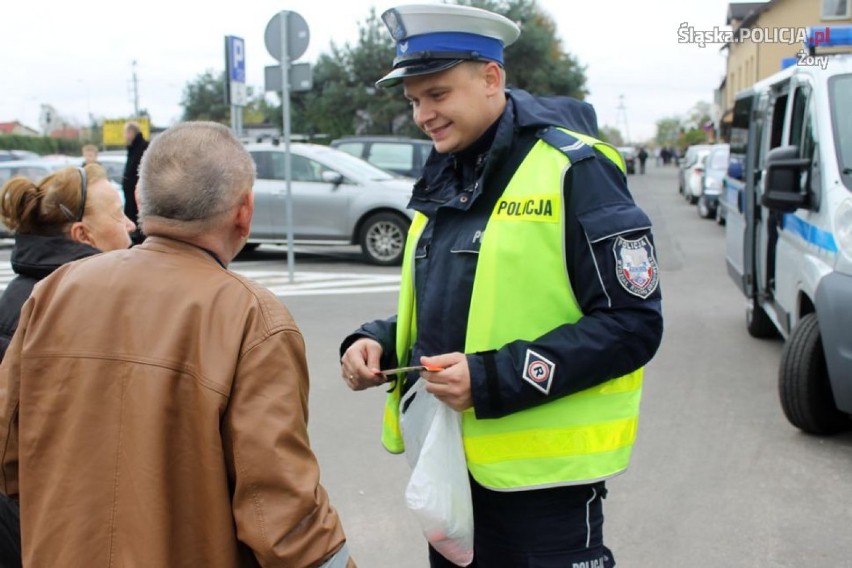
{"x":153,"y":413}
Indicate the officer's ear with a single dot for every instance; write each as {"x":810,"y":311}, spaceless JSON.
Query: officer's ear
{"x":493,"y":74}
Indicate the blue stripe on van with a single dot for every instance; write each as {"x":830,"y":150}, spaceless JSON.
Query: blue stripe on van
{"x":810,"y":233}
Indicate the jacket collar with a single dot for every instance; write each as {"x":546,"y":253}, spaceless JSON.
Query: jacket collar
{"x":170,"y":245}
{"x":38,"y":256}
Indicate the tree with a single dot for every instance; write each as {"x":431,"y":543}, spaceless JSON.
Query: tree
{"x":345,"y":99}
{"x":611,"y":135}
{"x":667,"y":131}
{"x":537,"y":61}
{"x":204,"y":98}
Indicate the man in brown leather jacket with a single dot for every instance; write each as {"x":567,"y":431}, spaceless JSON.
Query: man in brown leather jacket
{"x":153,"y":405}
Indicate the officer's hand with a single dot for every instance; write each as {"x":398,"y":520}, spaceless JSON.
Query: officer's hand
{"x":360,"y":364}
{"x":452,"y":385}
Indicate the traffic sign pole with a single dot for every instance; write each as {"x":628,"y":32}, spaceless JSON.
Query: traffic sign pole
{"x":288,"y":171}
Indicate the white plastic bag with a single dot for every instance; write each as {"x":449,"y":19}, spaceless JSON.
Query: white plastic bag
{"x":439,"y":489}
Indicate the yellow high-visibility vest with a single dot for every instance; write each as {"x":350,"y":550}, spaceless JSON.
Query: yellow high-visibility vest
{"x":521,"y":291}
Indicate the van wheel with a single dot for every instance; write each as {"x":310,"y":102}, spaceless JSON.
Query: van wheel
{"x":803,"y":384}
{"x":757,"y":322}
{"x":383,"y":238}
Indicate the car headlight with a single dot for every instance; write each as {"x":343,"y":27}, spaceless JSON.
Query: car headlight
{"x":843,"y":227}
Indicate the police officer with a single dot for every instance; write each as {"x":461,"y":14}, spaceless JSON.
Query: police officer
{"x":530,"y":278}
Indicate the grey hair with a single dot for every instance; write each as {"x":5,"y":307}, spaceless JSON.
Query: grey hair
{"x":192,"y":173}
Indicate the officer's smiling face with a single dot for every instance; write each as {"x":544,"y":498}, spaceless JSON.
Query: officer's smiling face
{"x":455,"y":107}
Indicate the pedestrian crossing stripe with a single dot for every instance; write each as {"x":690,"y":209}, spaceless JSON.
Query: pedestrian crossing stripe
{"x":304,"y":283}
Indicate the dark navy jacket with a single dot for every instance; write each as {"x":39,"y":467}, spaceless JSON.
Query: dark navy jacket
{"x":34,"y":257}
{"x":620,"y":331}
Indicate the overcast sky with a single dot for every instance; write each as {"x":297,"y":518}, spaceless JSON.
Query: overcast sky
{"x":78,"y":56}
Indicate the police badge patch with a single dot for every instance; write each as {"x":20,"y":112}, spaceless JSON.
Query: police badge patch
{"x":538,"y":371}
{"x":636,"y":266}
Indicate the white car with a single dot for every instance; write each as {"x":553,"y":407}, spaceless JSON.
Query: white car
{"x":336,"y":197}
{"x":693,"y":176}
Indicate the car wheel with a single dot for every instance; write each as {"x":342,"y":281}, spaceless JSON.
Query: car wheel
{"x":757,"y":322}
{"x":703,"y":210}
{"x":803,"y":384}
{"x":383,"y":238}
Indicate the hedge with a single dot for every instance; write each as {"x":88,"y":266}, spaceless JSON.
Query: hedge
{"x":41,"y":144}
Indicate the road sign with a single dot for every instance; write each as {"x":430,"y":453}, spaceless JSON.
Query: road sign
{"x":298,"y":35}
{"x":235,"y":59}
{"x":301,"y":78}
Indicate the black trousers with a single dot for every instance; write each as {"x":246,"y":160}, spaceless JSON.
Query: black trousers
{"x":546,"y":528}
{"x":10,"y":533}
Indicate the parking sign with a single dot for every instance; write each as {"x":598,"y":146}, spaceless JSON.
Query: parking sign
{"x":235,"y":59}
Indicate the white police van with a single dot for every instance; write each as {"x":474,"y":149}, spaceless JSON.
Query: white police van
{"x":788,"y":201}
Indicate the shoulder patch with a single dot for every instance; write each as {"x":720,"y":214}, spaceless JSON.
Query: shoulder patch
{"x":636,"y":266}
{"x":539,"y":371}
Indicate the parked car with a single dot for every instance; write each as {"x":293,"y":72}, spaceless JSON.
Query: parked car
{"x":337,"y":199}
{"x":114,"y":165}
{"x":715,"y":169}
{"x":629,"y":155}
{"x":402,"y":156}
{"x":691,"y":171}
{"x":10,"y":155}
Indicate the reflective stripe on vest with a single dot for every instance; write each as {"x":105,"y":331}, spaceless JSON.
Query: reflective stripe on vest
{"x":521,"y":291}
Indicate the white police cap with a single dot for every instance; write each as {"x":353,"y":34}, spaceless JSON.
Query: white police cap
{"x":435,"y":37}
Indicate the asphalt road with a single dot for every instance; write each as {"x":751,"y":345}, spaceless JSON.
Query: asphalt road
{"x":718,"y":479}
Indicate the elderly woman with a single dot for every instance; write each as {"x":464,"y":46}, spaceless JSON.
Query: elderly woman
{"x":70,"y":214}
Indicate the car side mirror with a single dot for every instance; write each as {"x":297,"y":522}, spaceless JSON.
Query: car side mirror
{"x":329,"y":176}
{"x":783,"y":173}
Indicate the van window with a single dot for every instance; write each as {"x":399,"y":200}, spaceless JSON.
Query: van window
{"x":840,"y":101}
{"x":354,"y":148}
{"x":261,"y":163}
{"x":393,"y":156}
{"x":797,"y":121}
{"x":778,"y":109}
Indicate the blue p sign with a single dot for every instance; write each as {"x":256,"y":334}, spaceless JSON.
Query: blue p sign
{"x":236,"y":59}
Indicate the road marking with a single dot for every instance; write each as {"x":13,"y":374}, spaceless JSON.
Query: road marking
{"x":304,"y":283}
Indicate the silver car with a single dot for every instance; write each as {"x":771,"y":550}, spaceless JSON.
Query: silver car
{"x":337,"y":199}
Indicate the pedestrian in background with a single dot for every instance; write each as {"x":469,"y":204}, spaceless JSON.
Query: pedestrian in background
{"x":136,"y":146}
{"x":643,"y":157}
{"x":530,"y":279}
{"x":90,"y":154}
{"x":153,"y":404}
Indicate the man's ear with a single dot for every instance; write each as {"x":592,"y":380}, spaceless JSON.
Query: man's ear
{"x":80,"y":233}
{"x":244,"y":214}
{"x":493,"y":75}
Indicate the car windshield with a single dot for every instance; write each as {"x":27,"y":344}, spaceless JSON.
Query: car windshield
{"x":840,"y":96}
{"x":353,"y":167}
